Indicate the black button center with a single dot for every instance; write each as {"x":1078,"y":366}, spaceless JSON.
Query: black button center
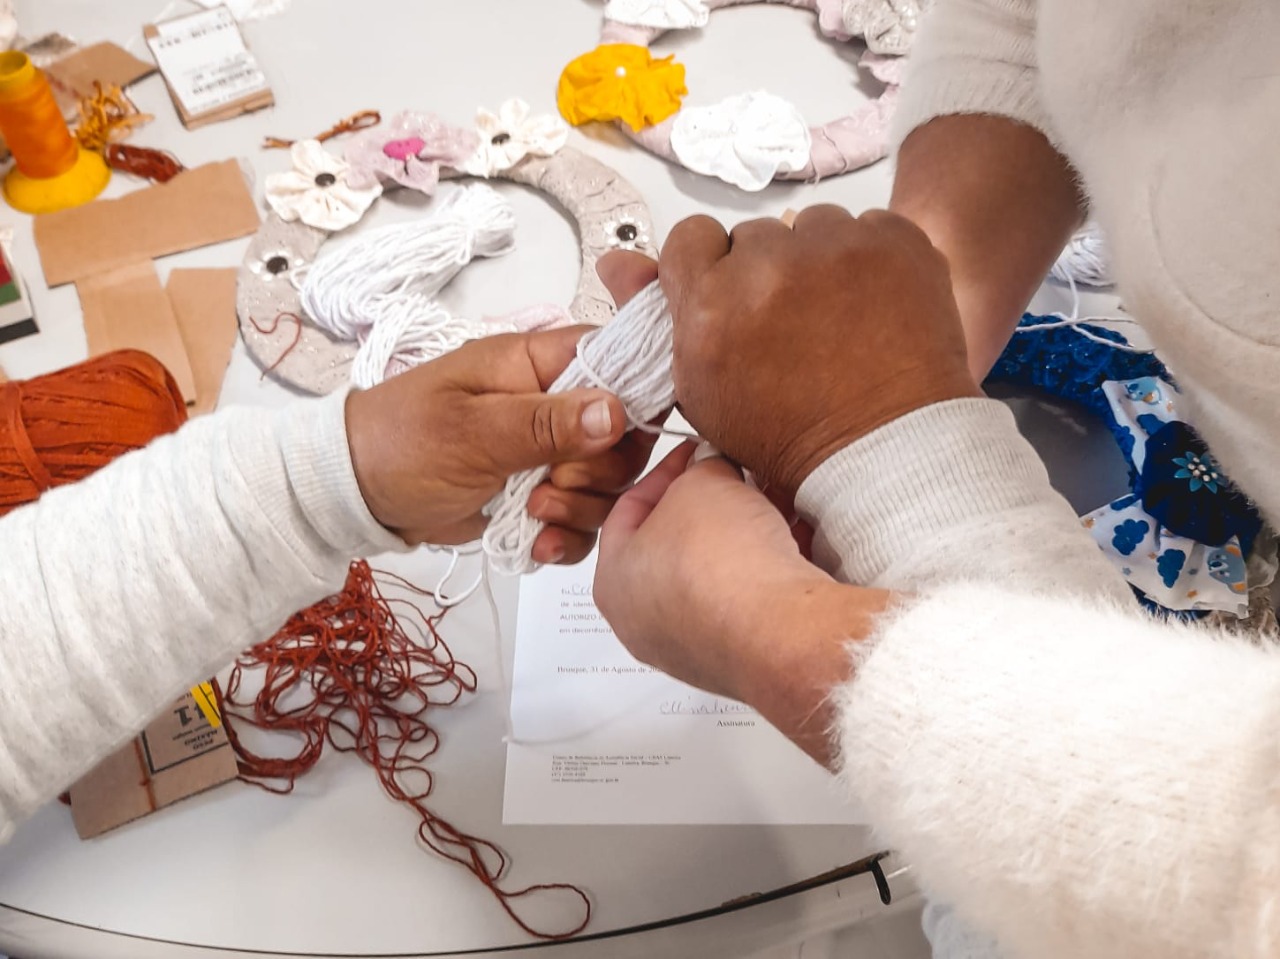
{"x":325,"y":179}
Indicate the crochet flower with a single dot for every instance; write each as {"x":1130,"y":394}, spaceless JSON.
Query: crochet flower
{"x":510,"y":135}
{"x":409,"y":150}
{"x":621,"y":81}
{"x":745,"y":140}
{"x":659,"y":14}
{"x":316,"y":192}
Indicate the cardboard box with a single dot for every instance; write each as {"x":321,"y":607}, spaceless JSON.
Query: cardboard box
{"x":183,"y":752}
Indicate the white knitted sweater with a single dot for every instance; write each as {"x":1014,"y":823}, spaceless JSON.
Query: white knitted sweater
{"x":1077,"y":779}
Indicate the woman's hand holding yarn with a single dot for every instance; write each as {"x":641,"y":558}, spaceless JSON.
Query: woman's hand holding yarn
{"x":792,"y":343}
{"x":433,"y":445}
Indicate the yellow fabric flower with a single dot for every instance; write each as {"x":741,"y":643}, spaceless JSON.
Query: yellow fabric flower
{"x":621,"y":81}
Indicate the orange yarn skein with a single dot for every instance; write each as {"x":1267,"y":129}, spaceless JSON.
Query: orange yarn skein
{"x":63,"y":426}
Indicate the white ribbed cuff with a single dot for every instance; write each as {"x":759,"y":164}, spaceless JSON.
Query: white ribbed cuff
{"x":317,"y":457}
{"x":914,"y":479}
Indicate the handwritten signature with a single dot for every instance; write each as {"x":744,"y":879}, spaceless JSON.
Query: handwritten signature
{"x":700,"y":706}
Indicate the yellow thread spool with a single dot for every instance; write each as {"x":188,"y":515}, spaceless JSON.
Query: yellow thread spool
{"x":51,"y":172}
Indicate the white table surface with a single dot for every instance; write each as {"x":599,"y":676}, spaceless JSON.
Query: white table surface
{"x":334,"y":869}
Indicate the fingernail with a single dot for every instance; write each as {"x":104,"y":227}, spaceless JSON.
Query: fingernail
{"x":705,"y":451}
{"x":597,"y":421}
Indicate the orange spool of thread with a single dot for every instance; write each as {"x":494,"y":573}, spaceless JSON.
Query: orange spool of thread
{"x":60,"y":428}
{"x":51,"y":171}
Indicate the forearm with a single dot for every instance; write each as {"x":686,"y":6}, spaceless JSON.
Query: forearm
{"x":1000,"y":202}
{"x":122,"y":590}
{"x":1076,"y":777}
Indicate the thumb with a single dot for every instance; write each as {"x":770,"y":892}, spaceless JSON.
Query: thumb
{"x":528,"y":430}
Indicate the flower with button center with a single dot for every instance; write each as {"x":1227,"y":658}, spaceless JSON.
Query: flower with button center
{"x":316,"y":190}
{"x":621,"y":81}
{"x":626,"y":233}
{"x":510,"y":135}
{"x":410,"y":150}
{"x":276,"y":264}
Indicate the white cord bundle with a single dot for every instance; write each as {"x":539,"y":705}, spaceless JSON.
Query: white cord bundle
{"x":631,"y":358}
{"x":381,"y":289}
{"x":1085,"y":259}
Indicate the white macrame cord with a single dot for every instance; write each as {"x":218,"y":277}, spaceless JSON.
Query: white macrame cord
{"x":631,"y":358}
{"x":381,"y":290}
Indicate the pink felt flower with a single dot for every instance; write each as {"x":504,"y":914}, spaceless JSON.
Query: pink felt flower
{"x":409,"y":150}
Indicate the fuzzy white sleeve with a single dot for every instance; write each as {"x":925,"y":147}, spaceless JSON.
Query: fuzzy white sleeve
{"x":122,"y":590}
{"x":1070,"y":774}
{"x":973,"y":56}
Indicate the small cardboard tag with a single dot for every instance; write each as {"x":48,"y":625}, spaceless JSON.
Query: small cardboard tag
{"x":180,"y":754}
{"x":209,"y":70}
{"x":204,"y":302}
{"x":206,"y":205}
{"x":128,"y":309}
{"x":73,"y":76}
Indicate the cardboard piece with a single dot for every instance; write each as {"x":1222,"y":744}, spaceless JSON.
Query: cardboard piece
{"x":210,"y":73}
{"x":204,"y":302}
{"x":127,"y":308}
{"x":180,"y":754}
{"x":206,"y":205}
{"x":72,"y":77}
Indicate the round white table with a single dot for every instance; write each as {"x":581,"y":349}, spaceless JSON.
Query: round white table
{"x":334,"y":869}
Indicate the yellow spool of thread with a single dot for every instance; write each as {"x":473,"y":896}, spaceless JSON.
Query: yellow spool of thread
{"x":51,"y":171}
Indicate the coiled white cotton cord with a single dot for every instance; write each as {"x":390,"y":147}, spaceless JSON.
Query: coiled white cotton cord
{"x":631,"y":358}
{"x":1085,"y":259}
{"x":381,"y":290}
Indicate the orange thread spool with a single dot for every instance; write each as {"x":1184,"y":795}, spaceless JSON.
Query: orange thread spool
{"x":31,"y":122}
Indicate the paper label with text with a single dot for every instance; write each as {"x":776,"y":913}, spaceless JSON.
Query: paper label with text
{"x":205,"y":61}
{"x":603,"y":739}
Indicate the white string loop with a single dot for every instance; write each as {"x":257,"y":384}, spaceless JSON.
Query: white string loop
{"x":381,"y":289}
{"x":631,"y":358}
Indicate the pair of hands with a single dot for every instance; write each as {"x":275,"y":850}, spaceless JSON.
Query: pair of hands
{"x":790,"y":343}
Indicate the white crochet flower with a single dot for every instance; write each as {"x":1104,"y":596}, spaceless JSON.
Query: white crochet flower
{"x":316,"y":191}
{"x":661,"y":14}
{"x":745,"y":139}
{"x":510,"y":135}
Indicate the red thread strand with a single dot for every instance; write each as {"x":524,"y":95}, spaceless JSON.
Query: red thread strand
{"x":271,"y":331}
{"x":360,"y":671}
{"x":158,"y":166}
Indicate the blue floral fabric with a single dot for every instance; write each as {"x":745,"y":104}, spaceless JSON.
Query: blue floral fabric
{"x":1181,"y":538}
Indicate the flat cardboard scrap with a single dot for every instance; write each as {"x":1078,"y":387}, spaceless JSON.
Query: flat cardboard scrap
{"x":204,"y":302}
{"x":73,"y":76}
{"x":206,"y":205}
{"x":210,"y":73}
{"x":183,"y":752}
{"x":128,"y":309}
